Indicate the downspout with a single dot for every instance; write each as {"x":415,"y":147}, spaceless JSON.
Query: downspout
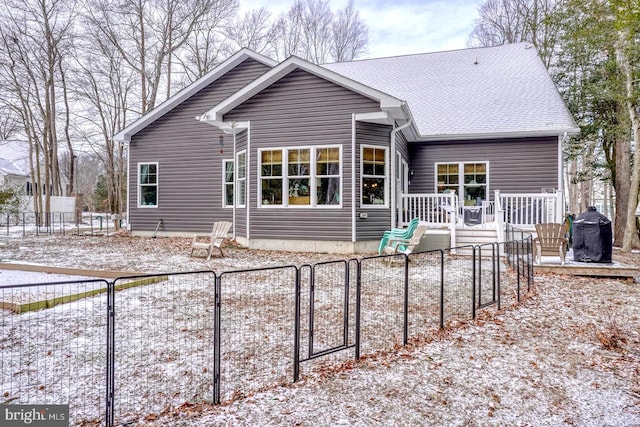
{"x":235,"y":189}
{"x":353,"y":178}
{"x":128,"y":186}
{"x":247,"y":196}
{"x":394,"y":208}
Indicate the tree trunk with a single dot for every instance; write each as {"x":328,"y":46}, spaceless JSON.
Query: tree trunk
{"x":630,"y":228}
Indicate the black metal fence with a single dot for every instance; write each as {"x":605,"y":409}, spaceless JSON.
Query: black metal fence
{"x":118,"y":350}
{"x":48,"y":223}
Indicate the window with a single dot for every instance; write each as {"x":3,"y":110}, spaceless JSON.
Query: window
{"x":271,"y":177}
{"x":328,"y":176}
{"x":304,"y":176}
{"x":227,"y":179}
{"x":299,"y":174}
{"x":374,"y":176}
{"x":469,"y":180}
{"x":241,"y":185}
{"x":147,"y":184}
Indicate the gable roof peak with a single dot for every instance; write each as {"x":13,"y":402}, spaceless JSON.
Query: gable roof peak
{"x":193,"y":88}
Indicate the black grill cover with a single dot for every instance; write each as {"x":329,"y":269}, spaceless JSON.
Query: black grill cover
{"x":592,"y":237}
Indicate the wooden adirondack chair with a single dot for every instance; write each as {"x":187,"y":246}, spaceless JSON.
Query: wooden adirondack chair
{"x":551,"y":240}
{"x":403,"y":245}
{"x":213,"y":240}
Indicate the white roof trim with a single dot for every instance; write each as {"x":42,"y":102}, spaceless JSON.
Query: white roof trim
{"x":524,"y":134}
{"x":380,"y":117}
{"x":219,"y":71}
{"x":395,"y":106}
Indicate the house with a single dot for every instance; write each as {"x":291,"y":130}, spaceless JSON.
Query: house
{"x":14,"y":164}
{"x":15,"y":173}
{"x":325,"y":158}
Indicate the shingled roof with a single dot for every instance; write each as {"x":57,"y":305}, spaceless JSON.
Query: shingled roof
{"x":482,"y":92}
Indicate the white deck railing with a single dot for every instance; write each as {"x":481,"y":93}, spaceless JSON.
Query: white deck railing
{"x":525,"y":210}
{"x":436,"y":210}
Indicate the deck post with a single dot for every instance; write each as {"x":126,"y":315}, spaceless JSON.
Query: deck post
{"x":499,"y":217}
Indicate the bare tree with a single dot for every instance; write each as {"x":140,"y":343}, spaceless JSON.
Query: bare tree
{"x":253,"y":31}
{"x":147,"y":34}
{"x":513,"y":21}
{"x":34,"y":36}
{"x":9,"y":120}
{"x":207,"y":44}
{"x":316,"y":27}
{"x":288,"y":31}
{"x":312,"y":31}
{"x":104,"y":85}
{"x":350,"y":34}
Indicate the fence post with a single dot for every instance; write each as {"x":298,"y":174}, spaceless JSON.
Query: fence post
{"x":405,"y":308}
{"x":296,"y":331}
{"x":530,"y":276}
{"x":441,"y":288}
{"x":497,"y":255}
{"x":216,"y":339}
{"x":474,"y":279}
{"x":358,"y":301}
{"x":518,"y":269}
{"x":111,"y":363}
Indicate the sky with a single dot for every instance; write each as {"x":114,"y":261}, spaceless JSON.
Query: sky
{"x":401,"y":27}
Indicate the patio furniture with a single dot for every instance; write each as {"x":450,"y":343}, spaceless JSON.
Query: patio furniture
{"x":398,"y":232}
{"x":551,"y":240}
{"x":214,"y":239}
{"x":403,"y":245}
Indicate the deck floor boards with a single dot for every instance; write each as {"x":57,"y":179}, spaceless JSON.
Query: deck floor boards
{"x":551,"y":264}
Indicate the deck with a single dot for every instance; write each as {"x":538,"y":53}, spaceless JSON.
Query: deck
{"x":551,"y":264}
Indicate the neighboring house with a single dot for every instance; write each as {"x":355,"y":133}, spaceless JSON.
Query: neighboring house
{"x":14,"y":164}
{"x":15,"y":172}
{"x":322,"y":158}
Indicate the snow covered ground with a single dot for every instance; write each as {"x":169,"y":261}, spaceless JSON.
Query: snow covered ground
{"x":568,"y":355}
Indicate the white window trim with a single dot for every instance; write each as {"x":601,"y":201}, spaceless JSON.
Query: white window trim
{"x":224,"y":182}
{"x":239,"y":180}
{"x":140,"y":184}
{"x":384,"y":205}
{"x":312,"y":178}
{"x":460,"y":190}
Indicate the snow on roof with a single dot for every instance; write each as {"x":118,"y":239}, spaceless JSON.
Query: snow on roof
{"x":503,"y":90}
{"x":14,"y":158}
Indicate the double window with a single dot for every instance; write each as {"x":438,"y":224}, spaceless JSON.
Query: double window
{"x":469,"y":180}
{"x":304,"y":176}
{"x":148,"y":185}
{"x":374,"y":176}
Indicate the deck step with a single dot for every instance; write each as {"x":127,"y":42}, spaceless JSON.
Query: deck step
{"x":475,"y":236}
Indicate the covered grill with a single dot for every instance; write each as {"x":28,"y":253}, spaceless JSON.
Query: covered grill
{"x":592,"y":237}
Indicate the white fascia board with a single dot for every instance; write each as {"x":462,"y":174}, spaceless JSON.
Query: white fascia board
{"x":219,"y":71}
{"x":495,"y":135}
{"x":292,"y":63}
{"x":380,"y":117}
{"x":227,"y":127}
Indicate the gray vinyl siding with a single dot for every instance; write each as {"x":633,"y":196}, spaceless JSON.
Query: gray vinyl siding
{"x":516,"y":165}
{"x":378,"y":219}
{"x":301,"y":109}
{"x":189,"y":160}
